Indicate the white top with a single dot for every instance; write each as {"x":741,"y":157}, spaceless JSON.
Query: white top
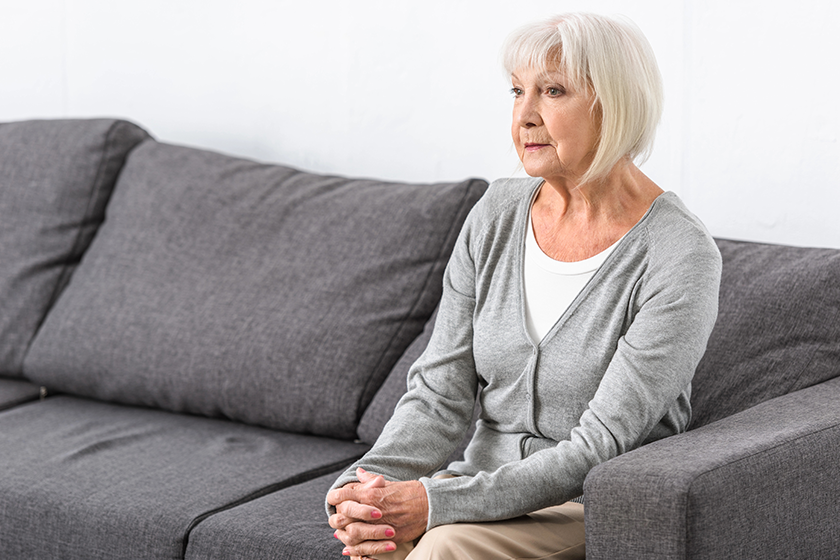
{"x":551,"y":286}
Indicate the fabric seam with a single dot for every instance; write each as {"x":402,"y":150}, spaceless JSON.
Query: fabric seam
{"x":289,"y":482}
{"x":76,"y":242}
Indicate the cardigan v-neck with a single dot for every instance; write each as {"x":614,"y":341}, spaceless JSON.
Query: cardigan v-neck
{"x":550,"y":286}
{"x":521,"y":234}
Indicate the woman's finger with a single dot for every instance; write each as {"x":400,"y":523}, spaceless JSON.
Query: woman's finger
{"x":369,"y":548}
{"x":340,"y":521}
{"x":360,"y":512}
{"x":356,"y":533}
{"x":370,"y":480}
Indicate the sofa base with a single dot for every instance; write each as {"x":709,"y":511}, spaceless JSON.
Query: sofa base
{"x":89,"y":480}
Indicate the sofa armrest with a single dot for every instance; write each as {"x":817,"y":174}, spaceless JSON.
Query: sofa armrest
{"x":763,"y":483}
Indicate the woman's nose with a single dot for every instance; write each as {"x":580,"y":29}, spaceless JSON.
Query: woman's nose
{"x":528,"y":115}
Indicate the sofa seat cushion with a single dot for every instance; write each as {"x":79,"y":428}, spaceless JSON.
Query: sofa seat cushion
{"x":286,"y":525}
{"x":16,"y":391}
{"x":90,"y":480}
{"x":225,"y":287}
{"x":55,"y":179}
{"x":777,"y":330}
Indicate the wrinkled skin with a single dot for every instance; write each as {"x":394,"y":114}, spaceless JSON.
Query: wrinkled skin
{"x":374,"y":515}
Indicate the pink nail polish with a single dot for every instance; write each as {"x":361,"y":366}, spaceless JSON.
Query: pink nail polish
{"x":376,"y":514}
{"x":389,"y":533}
{"x":390,"y":548}
{"x":345,"y":552}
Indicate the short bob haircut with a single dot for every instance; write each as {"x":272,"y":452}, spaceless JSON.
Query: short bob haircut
{"x":611,"y":58}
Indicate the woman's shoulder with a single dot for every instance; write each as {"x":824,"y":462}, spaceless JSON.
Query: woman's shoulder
{"x":674,"y":232}
{"x":505,"y":195}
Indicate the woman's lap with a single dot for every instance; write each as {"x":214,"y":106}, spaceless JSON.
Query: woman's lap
{"x":555,"y":533}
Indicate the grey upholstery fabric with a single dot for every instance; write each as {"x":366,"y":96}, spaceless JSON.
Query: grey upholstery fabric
{"x":285,"y":525}
{"x":225,"y":287}
{"x":393,"y":388}
{"x":777,"y":330}
{"x":16,"y":391}
{"x":88,"y":480}
{"x":55,"y":179}
{"x":382,"y":406}
{"x":762,"y":483}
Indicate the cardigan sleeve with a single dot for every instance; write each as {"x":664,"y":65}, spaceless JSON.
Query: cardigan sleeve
{"x":653,"y":363}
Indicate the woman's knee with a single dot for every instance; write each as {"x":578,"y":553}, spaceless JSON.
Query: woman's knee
{"x":554,"y":533}
{"x":443,"y":542}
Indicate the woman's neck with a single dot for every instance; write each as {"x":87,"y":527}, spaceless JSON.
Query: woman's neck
{"x":575,"y":222}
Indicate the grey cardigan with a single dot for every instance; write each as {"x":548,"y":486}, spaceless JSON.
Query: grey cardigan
{"x":613,"y":373}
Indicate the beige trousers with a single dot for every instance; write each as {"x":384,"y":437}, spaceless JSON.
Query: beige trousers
{"x":554,"y":533}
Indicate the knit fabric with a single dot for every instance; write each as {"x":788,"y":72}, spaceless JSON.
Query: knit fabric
{"x":613,"y":373}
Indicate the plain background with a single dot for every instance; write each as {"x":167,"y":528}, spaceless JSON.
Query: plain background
{"x":414,"y":91}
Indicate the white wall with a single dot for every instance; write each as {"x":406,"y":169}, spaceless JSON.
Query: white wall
{"x":413,"y":90}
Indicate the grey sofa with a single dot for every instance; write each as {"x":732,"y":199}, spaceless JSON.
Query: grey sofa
{"x":193,"y":346}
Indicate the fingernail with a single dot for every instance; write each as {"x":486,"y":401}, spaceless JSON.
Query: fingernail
{"x":390,"y":547}
{"x":335,"y":534}
{"x":389,"y":533}
{"x":376,"y":514}
{"x":345,"y":552}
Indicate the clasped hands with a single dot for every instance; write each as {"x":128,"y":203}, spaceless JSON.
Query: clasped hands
{"x":374,"y":515}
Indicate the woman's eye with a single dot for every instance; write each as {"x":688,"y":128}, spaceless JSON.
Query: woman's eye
{"x":554,"y":91}
{"x":516,"y":92}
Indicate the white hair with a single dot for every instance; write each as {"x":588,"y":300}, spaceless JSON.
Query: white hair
{"x":612,"y":59}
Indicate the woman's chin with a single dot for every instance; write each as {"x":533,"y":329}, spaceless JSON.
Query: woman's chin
{"x":533,"y":170}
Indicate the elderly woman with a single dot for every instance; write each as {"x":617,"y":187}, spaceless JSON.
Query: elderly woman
{"x":576,"y":306}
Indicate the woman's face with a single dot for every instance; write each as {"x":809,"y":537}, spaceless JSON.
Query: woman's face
{"x":553,"y":129}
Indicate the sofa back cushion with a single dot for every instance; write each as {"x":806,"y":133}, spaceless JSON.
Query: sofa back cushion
{"x":55,"y":179}
{"x":394,"y":387}
{"x":778,"y":327}
{"x":225,"y":287}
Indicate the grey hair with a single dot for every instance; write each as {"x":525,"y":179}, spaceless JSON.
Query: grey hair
{"x":611,"y":58}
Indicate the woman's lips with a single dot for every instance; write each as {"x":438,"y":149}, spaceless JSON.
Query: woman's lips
{"x":531,"y":147}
